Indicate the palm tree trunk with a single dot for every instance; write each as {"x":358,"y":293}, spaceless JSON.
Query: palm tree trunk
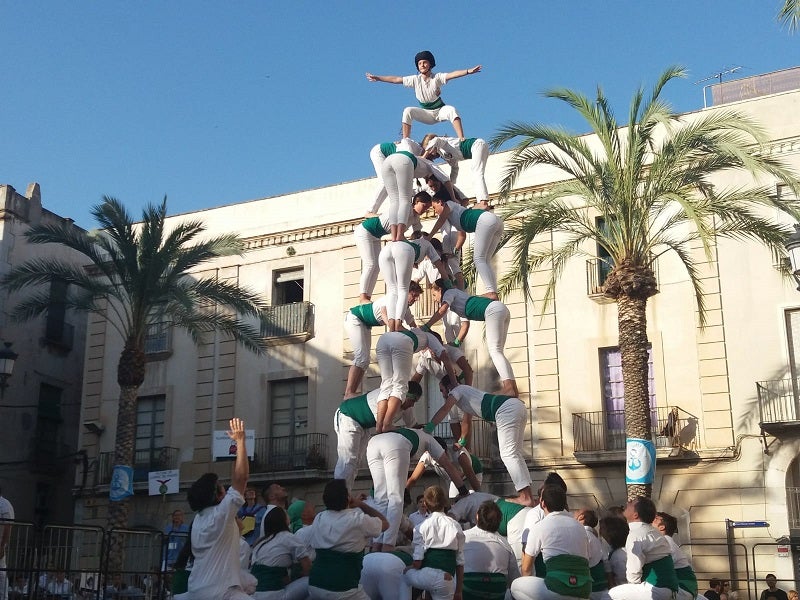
{"x":632,"y":324}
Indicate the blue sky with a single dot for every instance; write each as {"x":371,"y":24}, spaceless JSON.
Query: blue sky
{"x":214,"y":103}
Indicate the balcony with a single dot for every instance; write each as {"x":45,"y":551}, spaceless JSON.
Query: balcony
{"x":777,"y":405}
{"x":288,"y":323}
{"x":59,"y":333}
{"x":303,"y":452}
{"x":604,"y":431}
{"x":158,"y":340}
{"x":144,"y":461}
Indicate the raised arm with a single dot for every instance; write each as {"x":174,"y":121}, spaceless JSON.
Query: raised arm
{"x":371,"y":512}
{"x":241,"y":467}
{"x":385,"y":78}
{"x":443,"y":411}
{"x":438,"y":315}
{"x":461,"y":73}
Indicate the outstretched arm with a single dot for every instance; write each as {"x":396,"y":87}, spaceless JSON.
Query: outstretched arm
{"x":440,"y":221}
{"x":461,"y":73}
{"x":241,"y":467}
{"x":438,"y":315}
{"x":385,"y":78}
{"x":443,"y":411}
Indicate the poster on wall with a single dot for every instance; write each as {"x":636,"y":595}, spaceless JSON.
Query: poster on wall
{"x":224,"y":448}
{"x":640,"y":461}
{"x":161,"y":483}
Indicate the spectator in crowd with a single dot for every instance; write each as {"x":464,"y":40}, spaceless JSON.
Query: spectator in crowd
{"x":175,"y":542}
{"x":251,"y":515}
{"x":419,"y":515}
{"x":772,"y":589}
{"x":6,"y":514}
{"x":59,"y":586}
{"x":714,"y":589}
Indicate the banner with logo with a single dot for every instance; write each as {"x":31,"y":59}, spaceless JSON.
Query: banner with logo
{"x":640,"y":461}
{"x":121,"y":483}
{"x":161,"y":483}
{"x":224,"y":448}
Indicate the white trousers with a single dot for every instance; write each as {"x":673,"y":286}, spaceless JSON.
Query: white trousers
{"x":488,"y":231}
{"x":360,"y":339}
{"x":388,"y":464}
{"x":351,"y":445}
{"x":510,"y":420}
{"x":480,"y":155}
{"x":451,"y":323}
{"x":533,"y":588}
{"x":377,"y":158}
{"x":602,"y":595}
{"x":296,"y":590}
{"x":382,"y":577}
{"x":498,"y":317}
{"x":398,"y":173}
{"x":3,"y":578}
{"x":396,"y":261}
{"x":316,"y":593}
{"x":394,"y":352}
{"x":369,"y":247}
{"x":434,"y":580}
{"x":639,"y":591}
{"x":429,"y":116}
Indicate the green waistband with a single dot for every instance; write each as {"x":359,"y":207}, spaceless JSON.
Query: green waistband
{"x":477,"y":465}
{"x":409,"y":155}
{"x":466,"y":147}
{"x":661,"y":573}
{"x":407,"y":559}
{"x":415,"y":247}
{"x":439,"y":558}
{"x":509,"y":510}
{"x":484,"y":586}
{"x":490,"y":404}
{"x":438,"y":103}
{"x":357,"y":408}
{"x":475,"y":308}
{"x":270,"y":579}
{"x":366,"y":314}
{"x":687,"y":580}
{"x":374,"y":226}
{"x":412,"y":336}
{"x":599,"y":579}
{"x":568,"y":575}
{"x":469,"y":219}
{"x":336,"y":571}
{"x":411,"y":436}
{"x":388,"y":148}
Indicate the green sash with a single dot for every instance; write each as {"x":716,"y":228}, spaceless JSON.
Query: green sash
{"x":412,"y":336}
{"x":388,"y":148}
{"x":484,"y":586}
{"x":366,"y":314}
{"x":661,"y":573}
{"x":475,"y":308}
{"x":409,"y":155}
{"x":466,"y":147}
{"x":599,"y":579}
{"x":509,"y":510}
{"x":438,"y":103}
{"x":357,"y":408}
{"x":407,"y":559}
{"x":539,"y":568}
{"x":490,"y":404}
{"x":270,"y":579}
{"x":439,"y":558}
{"x":180,"y":581}
{"x":687,"y":580}
{"x":469,"y":219}
{"x":477,"y":466}
{"x":568,"y":575}
{"x":336,"y":571}
{"x":411,"y":436}
{"x":373,"y":225}
{"x":416,"y":249}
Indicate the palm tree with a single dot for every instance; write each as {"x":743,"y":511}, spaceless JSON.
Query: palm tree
{"x":789,"y":14}
{"x":651,"y":184}
{"x":139,"y":274}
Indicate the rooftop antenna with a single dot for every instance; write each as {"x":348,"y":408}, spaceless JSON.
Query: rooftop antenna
{"x":718,"y":76}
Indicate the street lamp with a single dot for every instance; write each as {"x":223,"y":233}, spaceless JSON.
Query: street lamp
{"x":792,"y":245}
{"x":7,"y":359}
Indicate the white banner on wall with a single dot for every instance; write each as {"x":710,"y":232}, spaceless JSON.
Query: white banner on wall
{"x":163,"y":482}
{"x":224,"y":448}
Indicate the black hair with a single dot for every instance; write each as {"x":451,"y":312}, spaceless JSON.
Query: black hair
{"x":437,"y":245}
{"x":436,"y":335}
{"x":265,"y":490}
{"x":615,"y":531}
{"x":645,"y":508}
{"x":670,"y":523}
{"x":445,"y":381}
{"x":489,"y":516}
{"x":421,"y":196}
{"x":441,"y":441}
{"x":335,"y":495}
{"x":554,"y":497}
{"x":419,"y":497}
{"x":274,"y":522}
{"x":415,"y":287}
{"x":589,"y":518}
{"x":415,"y":389}
{"x":203,"y":492}
{"x":554,"y":478}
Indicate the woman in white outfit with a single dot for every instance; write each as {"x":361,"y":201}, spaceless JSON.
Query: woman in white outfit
{"x":479,"y":308}
{"x":382,"y":575}
{"x":396,"y":261}
{"x":453,"y":150}
{"x":487,"y":229}
{"x":273,"y":556}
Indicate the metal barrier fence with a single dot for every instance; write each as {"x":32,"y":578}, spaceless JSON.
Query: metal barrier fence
{"x":72,"y":563}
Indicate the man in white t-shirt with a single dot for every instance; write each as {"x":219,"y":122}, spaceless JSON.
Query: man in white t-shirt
{"x":215,"y":536}
{"x":6,"y":514}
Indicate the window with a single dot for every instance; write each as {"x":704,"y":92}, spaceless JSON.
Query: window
{"x":149,"y":433}
{"x":614,"y":395}
{"x":157,"y":338}
{"x":288,"y":287}
{"x":288,"y":423}
{"x":48,"y":425}
{"x":57,"y":331}
{"x":604,"y":261}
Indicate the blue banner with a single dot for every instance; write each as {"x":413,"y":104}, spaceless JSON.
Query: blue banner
{"x":640,"y":461}
{"x":121,"y":483}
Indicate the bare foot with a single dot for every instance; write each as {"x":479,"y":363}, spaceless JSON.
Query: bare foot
{"x":491,"y":296}
{"x":521,"y":500}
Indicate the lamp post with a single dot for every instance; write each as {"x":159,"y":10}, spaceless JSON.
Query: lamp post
{"x":7,"y":359}
{"x":792,"y":245}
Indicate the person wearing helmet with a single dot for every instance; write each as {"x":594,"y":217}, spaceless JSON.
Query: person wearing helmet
{"x":427,"y":87}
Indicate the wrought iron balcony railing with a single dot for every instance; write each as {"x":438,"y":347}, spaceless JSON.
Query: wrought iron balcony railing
{"x":778,"y":400}
{"x":158,"y":338}
{"x":285,"y":320}
{"x":302,"y":452}
{"x":144,"y":461}
{"x":605,"y":430}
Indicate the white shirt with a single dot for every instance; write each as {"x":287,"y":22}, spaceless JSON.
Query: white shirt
{"x":468,"y":399}
{"x":348,"y":530}
{"x":417,"y":517}
{"x":426,"y":89}
{"x":596,"y":553}
{"x":448,"y":148}
{"x":215,"y":545}
{"x":280,"y":551}
{"x":380,"y":303}
{"x":430,"y":363}
{"x":534,"y":515}
{"x":678,"y":557}
{"x":6,"y":510}
{"x":438,"y":531}
{"x":456,"y":301}
{"x":466,"y":509}
{"x":617,"y":560}
{"x":425,"y":270}
{"x":60,"y":588}
{"x":558,"y":533}
{"x":486,"y":552}
{"x":644,"y":545}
